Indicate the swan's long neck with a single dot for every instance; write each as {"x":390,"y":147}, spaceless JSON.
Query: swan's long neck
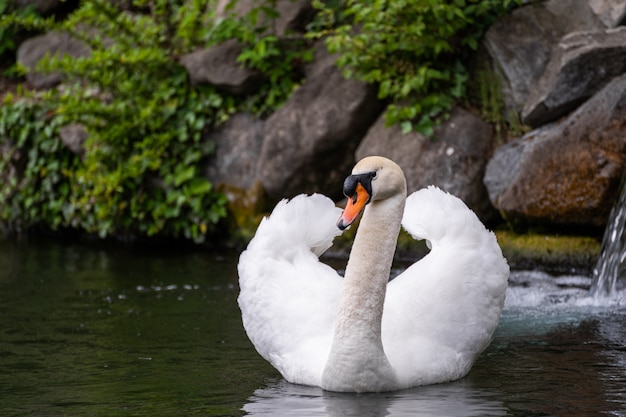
{"x":367,"y":273}
{"x":357,"y":359}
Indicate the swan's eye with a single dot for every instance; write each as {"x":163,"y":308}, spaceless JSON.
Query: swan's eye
{"x":374,"y":175}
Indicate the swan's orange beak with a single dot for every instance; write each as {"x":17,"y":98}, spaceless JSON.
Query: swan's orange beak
{"x":356,"y":204}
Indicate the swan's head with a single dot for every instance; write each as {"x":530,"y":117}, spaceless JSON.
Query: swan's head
{"x":373,"y":178}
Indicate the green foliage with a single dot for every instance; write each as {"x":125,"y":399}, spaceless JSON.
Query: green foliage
{"x":9,"y":33}
{"x":414,"y":50}
{"x":276,"y":58}
{"x":141,"y":171}
{"x":34,"y":164}
{"x":485,"y":95}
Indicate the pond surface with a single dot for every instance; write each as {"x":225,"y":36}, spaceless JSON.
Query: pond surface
{"x":87,"y":331}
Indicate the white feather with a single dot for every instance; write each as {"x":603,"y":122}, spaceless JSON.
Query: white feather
{"x":288,"y":297}
{"x":441,"y":312}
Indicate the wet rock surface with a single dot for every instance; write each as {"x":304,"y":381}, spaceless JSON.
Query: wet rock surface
{"x":565,"y":173}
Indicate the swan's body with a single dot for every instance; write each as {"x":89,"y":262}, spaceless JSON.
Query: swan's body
{"x":362,"y":333}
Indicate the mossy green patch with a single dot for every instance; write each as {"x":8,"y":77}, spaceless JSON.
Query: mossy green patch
{"x":555,"y":253}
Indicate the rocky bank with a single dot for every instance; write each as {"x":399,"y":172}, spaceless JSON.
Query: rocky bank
{"x":561,"y":66}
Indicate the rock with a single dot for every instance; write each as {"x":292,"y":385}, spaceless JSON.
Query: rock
{"x":232,"y":169}
{"x":309,"y":142}
{"x":218,"y":66}
{"x":520,"y":43}
{"x":322,"y":60}
{"x":237,"y":147}
{"x":565,"y":173}
{"x":454,"y":159}
{"x":610,"y":12}
{"x":74,"y":136}
{"x":581,"y":64}
{"x":293,"y":15}
{"x":31,"y":51}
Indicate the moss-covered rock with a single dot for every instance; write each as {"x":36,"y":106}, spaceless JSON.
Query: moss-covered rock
{"x":550,"y":252}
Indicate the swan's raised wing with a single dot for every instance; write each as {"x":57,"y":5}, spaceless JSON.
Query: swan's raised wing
{"x":441,"y":312}
{"x":289,"y":298}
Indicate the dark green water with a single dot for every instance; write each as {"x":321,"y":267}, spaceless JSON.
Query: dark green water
{"x":86,"y":331}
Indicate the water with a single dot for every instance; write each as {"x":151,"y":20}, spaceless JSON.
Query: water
{"x":89,"y":331}
{"x":611,"y":265}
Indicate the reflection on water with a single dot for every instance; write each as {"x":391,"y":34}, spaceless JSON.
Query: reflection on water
{"x":453,"y":399}
{"x":551,"y":365}
{"x":88,"y":331}
{"x":123,"y":331}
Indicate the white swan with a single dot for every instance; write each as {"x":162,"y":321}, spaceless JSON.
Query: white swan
{"x":364,"y":333}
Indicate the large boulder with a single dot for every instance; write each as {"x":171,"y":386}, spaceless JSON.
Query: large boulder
{"x":565,"y":173}
{"x":581,"y":64}
{"x":520,"y":43}
{"x":309,"y":142}
{"x":218,"y":66}
{"x":454,"y":159}
{"x":31,"y":51}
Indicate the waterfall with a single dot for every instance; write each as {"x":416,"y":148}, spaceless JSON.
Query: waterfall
{"x":611,"y":265}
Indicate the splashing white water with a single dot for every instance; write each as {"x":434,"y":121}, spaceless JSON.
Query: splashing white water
{"x":539,"y":290}
{"x":611,"y":266}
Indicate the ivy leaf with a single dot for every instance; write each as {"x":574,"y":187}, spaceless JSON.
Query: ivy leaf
{"x":198,"y":186}
{"x":184,"y":174}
